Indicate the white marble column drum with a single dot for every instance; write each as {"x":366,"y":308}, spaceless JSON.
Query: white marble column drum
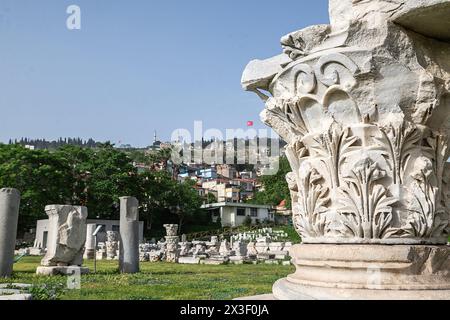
{"x":9,"y":217}
{"x":89,"y":251}
{"x":129,"y":235}
{"x":172,"y":239}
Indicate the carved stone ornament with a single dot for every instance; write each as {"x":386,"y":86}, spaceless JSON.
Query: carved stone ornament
{"x":364,"y":105}
{"x":367,"y":128}
{"x":67,"y":235}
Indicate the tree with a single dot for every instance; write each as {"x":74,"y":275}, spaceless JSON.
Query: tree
{"x":100,"y":177}
{"x":78,"y":160}
{"x":110,"y":175}
{"x":210,"y":198}
{"x":41,"y":177}
{"x":185,"y":202}
{"x":275,"y":187}
{"x":154,"y":196}
{"x":94,"y":178}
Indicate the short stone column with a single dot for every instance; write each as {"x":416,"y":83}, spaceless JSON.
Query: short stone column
{"x":252,"y":252}
{"x":89,"y":247}
{"x":225,"y":248}
{"x":172,"y":239}
{"x":9,"y":215}
{"x":66,"y":239}
{"x":112,"y":245}
{"x":240,"y":248}
{"x":129,"y":235}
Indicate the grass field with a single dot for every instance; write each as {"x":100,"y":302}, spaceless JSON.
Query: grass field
{"x":158,"y":281}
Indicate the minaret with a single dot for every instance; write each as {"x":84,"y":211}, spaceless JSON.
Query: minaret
{"x":154,"y":138}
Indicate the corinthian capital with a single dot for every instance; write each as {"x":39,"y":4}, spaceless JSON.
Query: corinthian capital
{"x":364,"y":107}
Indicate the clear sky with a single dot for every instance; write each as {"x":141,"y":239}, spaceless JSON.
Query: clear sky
{"x":136,"y":65}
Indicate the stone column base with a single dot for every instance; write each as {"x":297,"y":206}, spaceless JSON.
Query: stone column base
{"x":66,"y":271}
{"x":368,"y":272}
{"x":14,"y":291}
{"x":15,"y":297}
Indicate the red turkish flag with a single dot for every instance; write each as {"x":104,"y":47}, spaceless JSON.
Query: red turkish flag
{"x":250,"y":123}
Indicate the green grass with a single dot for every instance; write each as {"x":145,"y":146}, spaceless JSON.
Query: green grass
{"x":160,"y":281}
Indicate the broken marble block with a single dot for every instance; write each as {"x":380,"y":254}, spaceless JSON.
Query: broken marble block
{"x":66,"y":239}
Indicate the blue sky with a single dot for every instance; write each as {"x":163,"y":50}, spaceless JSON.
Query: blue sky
{"x":136,"y":66}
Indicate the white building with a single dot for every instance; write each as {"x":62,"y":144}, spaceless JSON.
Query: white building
{"x":234,"y":214}
{"x":108,"y":225}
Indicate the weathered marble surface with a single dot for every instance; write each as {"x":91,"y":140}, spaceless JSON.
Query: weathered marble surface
{"x":61,"y":270}
{"x":66,"y":235}
{"x":364,"y":105}
{"x":89,"y":246}
{"x":172,"y":239}
{"x":238,"y":251}
{"x":400,"y":267}
{"x":14,"y":292}
{"x":129,"y":235}
{"x":367,"y":272}
{"x":9,"y":215}
{"x":112,"y":245}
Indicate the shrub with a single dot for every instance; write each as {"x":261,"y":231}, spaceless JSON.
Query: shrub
{"x":248,"y":221}
{"x":219,"y":223}
{"x":46,"y":291}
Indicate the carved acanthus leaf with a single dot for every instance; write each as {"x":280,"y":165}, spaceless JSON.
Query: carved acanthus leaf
{"x":309,"y":214}
{"x":400,"y":139}
{"x":427,"y":218}
{"x":438,"y":152}
{"x":292,"y":110}
{"x":333,"y":146}
{"x":366,"y":207}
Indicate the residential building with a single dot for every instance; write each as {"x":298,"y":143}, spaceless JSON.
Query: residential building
{"x":246,"y":186}
{"x":226,"y":191}
{"x":201,"y":192}
{"x":283,"y":215}
{"x":234,"y":214}
{"x":247,"y":175}
{"x":226,"y":171}
{"x":230,"y":194}
{"x":207,"y":173}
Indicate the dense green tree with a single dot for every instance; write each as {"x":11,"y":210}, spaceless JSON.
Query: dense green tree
{"x":41,"y":177}
{"x":110,"y":174}
{"x":210,"y":198}
{"x":138,"y":156}
{"x":185,"y":203}
{"x":275,"y":188}
{"x":52,"y":145}
{"x":154,"y":197}
{"x":78,"y":160}
{"x":95,"y":178}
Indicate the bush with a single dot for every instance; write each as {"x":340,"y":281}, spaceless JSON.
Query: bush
{"x":219,"y":223}
{"x":248,"y":221}
{"x":47,"y":291}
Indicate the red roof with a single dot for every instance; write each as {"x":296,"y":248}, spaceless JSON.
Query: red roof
{"x":282,"y":204}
